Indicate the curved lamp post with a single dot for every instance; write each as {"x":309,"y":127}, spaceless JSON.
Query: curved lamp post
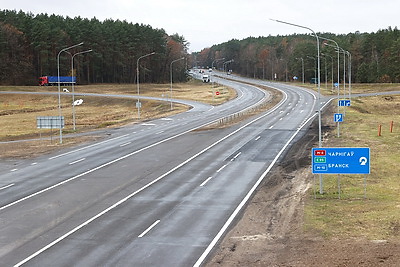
{"x":212,"y":67}
{"x":170,"y":68}
{"x":321,"y":188}
{"x":138,"y":104}
{"x":59,"y":87}
{"x":72,"y":84}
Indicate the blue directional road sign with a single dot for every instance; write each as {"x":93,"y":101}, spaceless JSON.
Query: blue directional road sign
{"x":340,"y":160}
{"x":344,"y":103}
{"x":338,"y":117}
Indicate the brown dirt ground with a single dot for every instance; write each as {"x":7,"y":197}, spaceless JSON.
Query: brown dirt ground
{"x":270,"y":231}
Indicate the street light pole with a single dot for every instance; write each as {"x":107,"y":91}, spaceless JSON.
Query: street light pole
{"x":138,"y":104}
{"x":326,"y":55}
{"x":170,"y":97}
{"x":338,"y":76}
{"x":321,"y":188}
{"x":59,"y":87}
{"x":302,"y":67}
{"x":212,"y":67}
{"x":349,"y":72}
{"x":72,"y":83}
{"x":315,"y":65}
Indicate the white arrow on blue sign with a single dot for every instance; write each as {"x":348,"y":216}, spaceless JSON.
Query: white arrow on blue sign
{"x":338,"y":117}
{"x":340,"y":160}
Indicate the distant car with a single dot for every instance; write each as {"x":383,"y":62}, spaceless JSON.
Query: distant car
{"x":210,"y":70}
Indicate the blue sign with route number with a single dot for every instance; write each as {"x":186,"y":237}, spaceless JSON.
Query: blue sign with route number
{"x":344,"y":103}
{"x":338,"y":117}
{"x":340,"y":160}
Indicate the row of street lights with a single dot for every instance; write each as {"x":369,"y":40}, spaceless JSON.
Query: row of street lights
{"x":338,"y":50}
{"x":59,"y":83}
{"x":138,"y":104}
{"x":321,"y":188}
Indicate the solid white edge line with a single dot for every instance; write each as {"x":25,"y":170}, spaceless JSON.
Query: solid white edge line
{"x":148,"y":229}
{"x":246,"y":198}
{"x":7,"y":186}
{"x":249,"y":194}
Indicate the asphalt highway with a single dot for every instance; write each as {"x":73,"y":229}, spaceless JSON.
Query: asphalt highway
{"x":158,"y":193}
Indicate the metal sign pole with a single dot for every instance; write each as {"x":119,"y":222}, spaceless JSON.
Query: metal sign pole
{"x":365,"y":186}
{"x":315,"y":190}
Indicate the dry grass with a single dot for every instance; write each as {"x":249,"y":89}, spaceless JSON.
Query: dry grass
{"x":18,"y":112}
{"x":378,"y":215}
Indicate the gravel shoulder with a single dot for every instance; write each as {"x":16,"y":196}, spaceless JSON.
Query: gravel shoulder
{"x":271,"y":230}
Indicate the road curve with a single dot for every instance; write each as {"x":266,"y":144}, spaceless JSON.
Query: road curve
{"x":160,"y":193}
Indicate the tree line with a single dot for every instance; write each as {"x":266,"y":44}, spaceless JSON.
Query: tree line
{"x":30,"y":44}
{"x":375,"y":57}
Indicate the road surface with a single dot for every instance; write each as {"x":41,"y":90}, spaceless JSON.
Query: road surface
{"x":159,"y":193}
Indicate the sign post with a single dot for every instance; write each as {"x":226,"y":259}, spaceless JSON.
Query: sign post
{"x":50,"y":122}
{"x":338,"y":117}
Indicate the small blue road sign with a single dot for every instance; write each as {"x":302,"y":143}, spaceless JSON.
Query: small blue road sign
{"x":338,"y":117}
{"x":344,"y":103}
{"x":340,"y":160}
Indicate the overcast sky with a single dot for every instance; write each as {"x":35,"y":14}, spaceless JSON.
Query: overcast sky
{"x":207,"y":22}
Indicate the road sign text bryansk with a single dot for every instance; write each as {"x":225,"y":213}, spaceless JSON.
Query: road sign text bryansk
{"x":340,"y":160}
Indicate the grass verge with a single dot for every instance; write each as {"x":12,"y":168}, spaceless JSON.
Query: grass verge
{"x":377,"y":216}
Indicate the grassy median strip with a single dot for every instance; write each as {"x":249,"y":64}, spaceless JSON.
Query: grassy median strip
{"x":377,"y":216}
{"x":18,"y":112}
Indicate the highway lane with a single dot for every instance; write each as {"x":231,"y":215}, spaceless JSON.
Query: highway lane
{"x":120,"y":217}
{"x":167,"y":223}
{"x":130,"y":139}
{"x":183,"y":215}
{"x":29,"y":181}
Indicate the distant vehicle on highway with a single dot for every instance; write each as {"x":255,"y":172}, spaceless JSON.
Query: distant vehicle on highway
{"x":53,"y":80}
{"x":206,"y":78}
